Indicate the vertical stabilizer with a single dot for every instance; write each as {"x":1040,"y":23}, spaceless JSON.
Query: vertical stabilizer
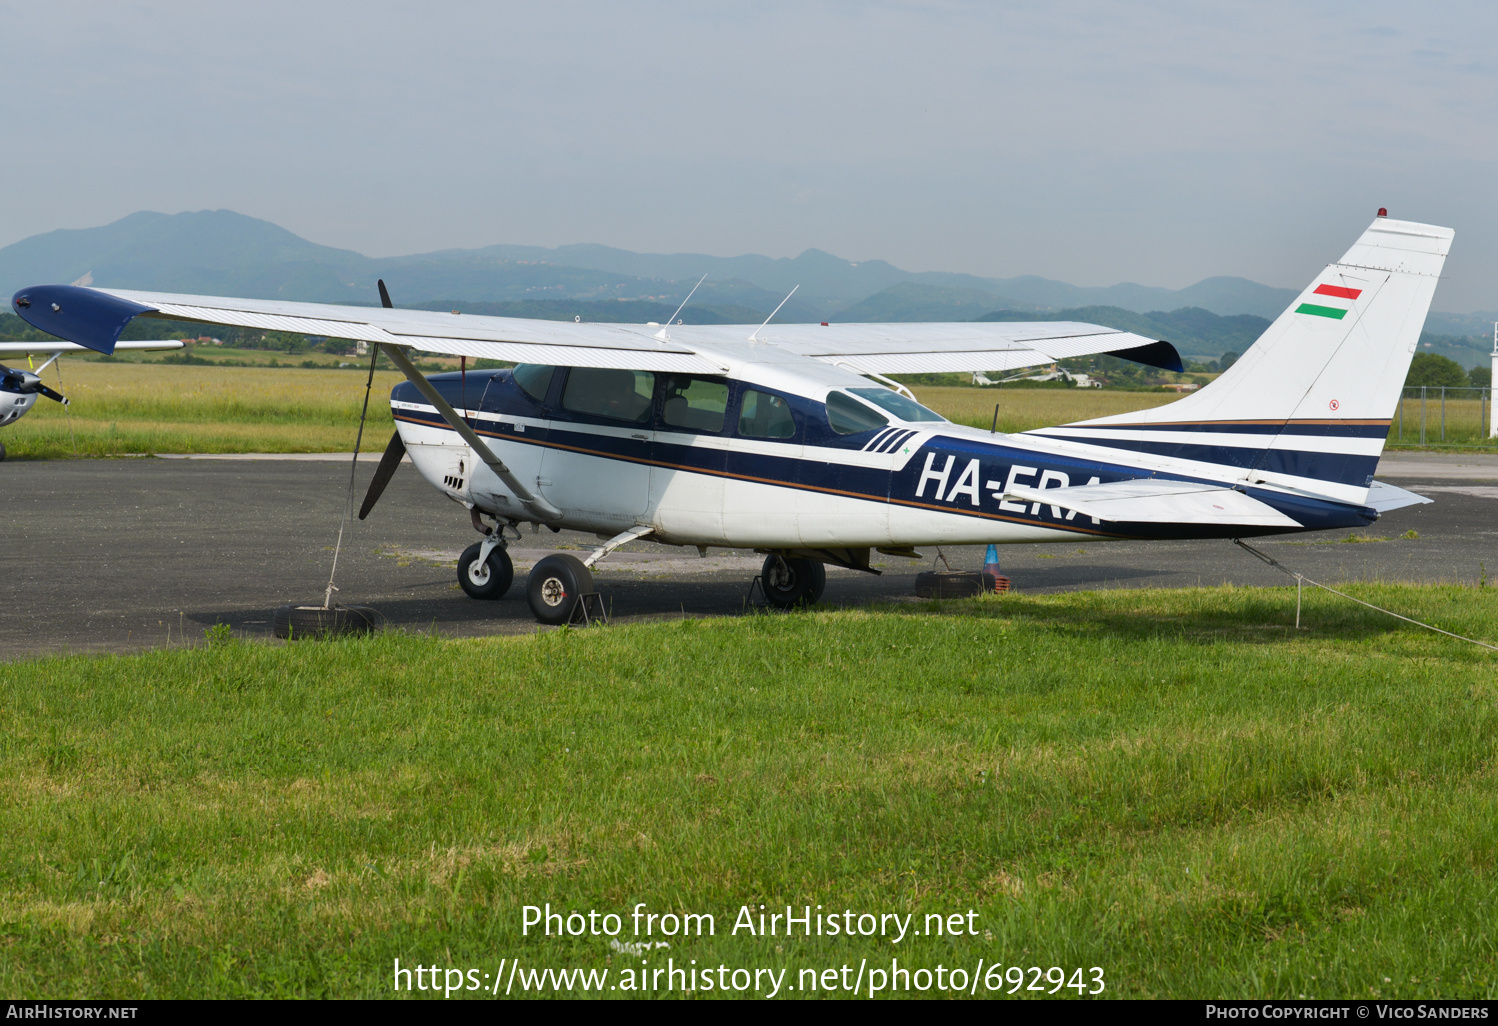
{"x":1308,"y":406}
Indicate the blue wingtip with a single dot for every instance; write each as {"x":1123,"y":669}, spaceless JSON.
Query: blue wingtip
{"x":86,"y":316}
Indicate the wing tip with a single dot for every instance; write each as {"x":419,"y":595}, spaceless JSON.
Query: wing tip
{"x":86,"y":316}
{"x":1156,"y":354}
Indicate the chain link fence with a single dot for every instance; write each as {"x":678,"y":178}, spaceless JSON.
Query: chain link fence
{"x":1442,"y":415}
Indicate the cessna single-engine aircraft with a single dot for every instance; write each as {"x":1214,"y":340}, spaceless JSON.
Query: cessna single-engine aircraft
{"x":19,"y":388}
{"x":789,"y":439}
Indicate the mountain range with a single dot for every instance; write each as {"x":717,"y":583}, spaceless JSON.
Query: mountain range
{"x":220,"y":252}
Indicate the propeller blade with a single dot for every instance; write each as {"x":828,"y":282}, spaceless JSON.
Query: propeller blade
{"x":388,"y":462}
{"x":385,"y":296}
{"x":55,"y":396}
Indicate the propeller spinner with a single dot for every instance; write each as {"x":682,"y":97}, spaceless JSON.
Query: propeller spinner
{"x":27,"y":383}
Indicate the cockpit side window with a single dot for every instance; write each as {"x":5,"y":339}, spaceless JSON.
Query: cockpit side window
{"x":534,"y":380}
{"x":608,"y":392}
{"x":762,"y":415}
{"x":694,"y":404}
{"x":848,"y":416}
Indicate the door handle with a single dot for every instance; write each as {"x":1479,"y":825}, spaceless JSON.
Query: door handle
{"x":643,"y":438}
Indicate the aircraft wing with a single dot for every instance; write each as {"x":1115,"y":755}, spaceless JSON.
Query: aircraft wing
{"x":59,"y":346}
{"x":940,"y":348}
{"x":90,"y":316}
{"x":1155,"y":501}
{"x":94,"y":318}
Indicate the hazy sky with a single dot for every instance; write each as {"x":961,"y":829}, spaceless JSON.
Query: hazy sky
{"x":1092,"y":142}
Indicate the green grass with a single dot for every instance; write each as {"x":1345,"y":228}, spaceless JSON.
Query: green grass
{"x":129,"y":407}
{"x":1462,"y":424}
{"x":1172,"y":785}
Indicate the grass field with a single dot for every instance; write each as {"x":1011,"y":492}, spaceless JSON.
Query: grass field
{"x":139,"y":407}
{"x":1460,"y":422}
{"x":1173,"y":786}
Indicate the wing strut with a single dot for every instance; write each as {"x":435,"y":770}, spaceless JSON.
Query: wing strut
{"x":539,"y":507}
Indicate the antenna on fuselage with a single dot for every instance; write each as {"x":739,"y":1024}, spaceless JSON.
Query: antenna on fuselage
{"x":662,"y":333}
{"x":755,"y":336}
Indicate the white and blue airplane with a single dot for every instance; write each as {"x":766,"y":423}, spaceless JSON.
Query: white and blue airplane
{"x":19,"y":388}
{"x":791,"y":439}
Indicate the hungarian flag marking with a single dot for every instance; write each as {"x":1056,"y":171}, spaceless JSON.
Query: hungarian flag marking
{"x":1336,"y":292}
{"x":1321,"y":311}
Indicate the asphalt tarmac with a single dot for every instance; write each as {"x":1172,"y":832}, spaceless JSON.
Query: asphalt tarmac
{"x":128,"y":554}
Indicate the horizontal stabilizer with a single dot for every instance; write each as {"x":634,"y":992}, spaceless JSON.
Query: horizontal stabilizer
{"x":1155,"y":501}
{"x":1384,"y":497}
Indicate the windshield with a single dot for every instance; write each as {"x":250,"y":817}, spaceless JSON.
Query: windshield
{"x":848,"y":416}
{"x":894,"y":402}
{"x":534,"y":380}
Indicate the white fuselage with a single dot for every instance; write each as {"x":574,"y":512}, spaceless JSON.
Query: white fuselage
{"x":900,"y":484}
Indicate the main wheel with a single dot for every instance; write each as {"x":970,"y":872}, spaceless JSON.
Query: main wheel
{"x":792,"y":582}
{"x":555,"y":585}
{"x":489,"y":579}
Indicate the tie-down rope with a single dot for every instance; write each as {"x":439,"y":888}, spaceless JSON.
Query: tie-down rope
{"x":1302,"y":577}
{"x":327,"y":601}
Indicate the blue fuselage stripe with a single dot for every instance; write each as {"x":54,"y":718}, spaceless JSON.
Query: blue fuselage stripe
{"x":1340,"y":467}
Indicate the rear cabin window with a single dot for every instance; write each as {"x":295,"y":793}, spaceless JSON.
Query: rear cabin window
{"x":607,"y":392}
{"x":695,"y":404}
{"x":848,"y":416}
{"x":534,"y":380}
{"x":762,"y":415}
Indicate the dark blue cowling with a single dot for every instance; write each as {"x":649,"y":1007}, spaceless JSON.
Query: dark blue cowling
{"x":86,"y":316}
{"x":452,"y":387}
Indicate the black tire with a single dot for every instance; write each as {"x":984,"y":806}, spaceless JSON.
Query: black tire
{"x":488,"y":581}
{"x":941,"y":584}
{"x":555,"y":586}
{"x":296,"y":623}
{"x":792,"y":582}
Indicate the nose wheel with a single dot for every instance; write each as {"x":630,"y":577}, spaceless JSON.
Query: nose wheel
{"x":485,"y":576}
